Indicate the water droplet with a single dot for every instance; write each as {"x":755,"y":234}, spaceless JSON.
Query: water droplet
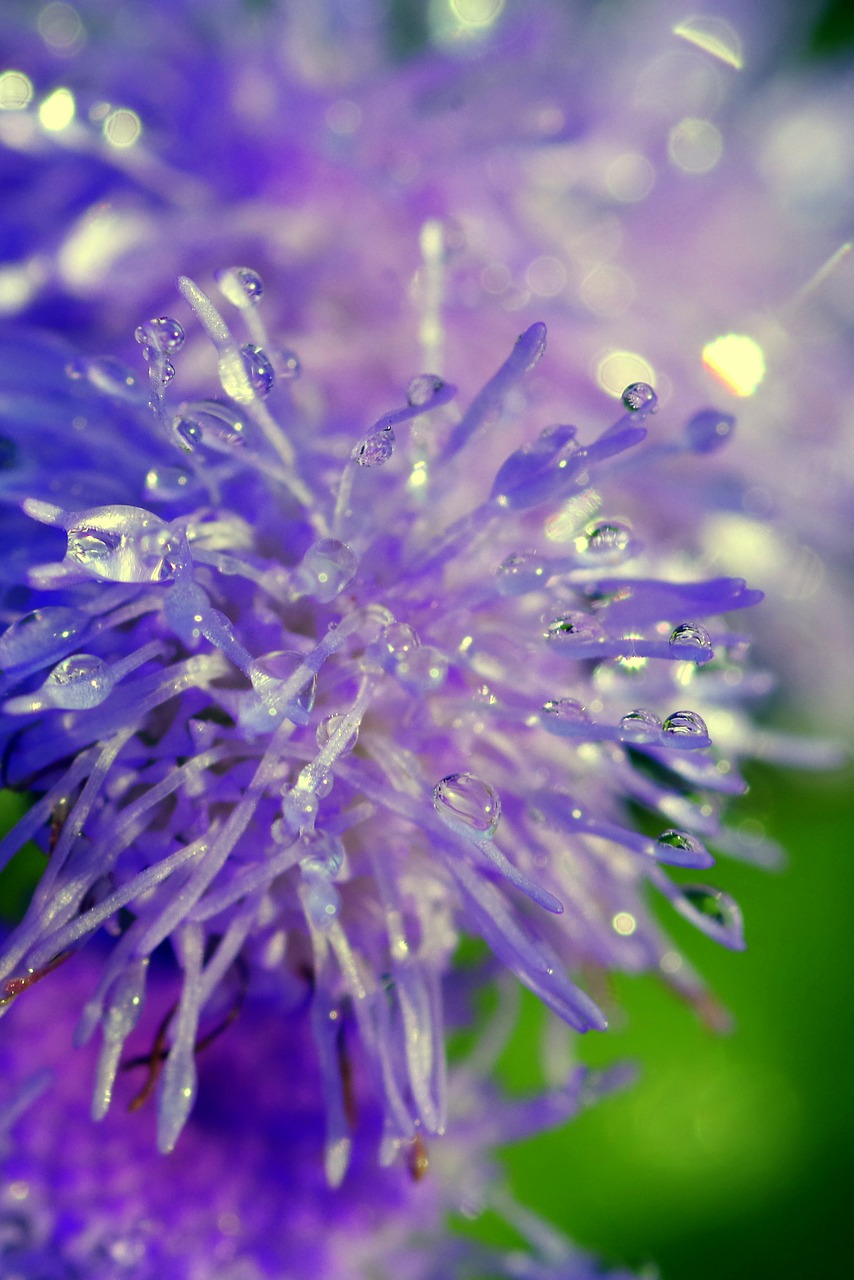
{"x":325,"y":856}
{"x":40,"y":637}
{"x":569,"y":710}
{"x":422,"y":389}
{"x":322,"y":902}
{"x":108,"y":375}
{"x":269,"y":672}
{"x":708,"y":430}
{"x":682,"y":849}
{"x":78,"y":682}
{"x":422,"y":670}
{"x":464,"y":800}
{"x":164,"y":484}
{"x":259,"y":369}
{"x":574,"y":627}
{"x":125,"y":544}
{"x":712,"y":907}
{"x":399,"y":638}
{"x":326,"y":569}
{"x":241,"y":286}
{"x":209,"y":422}
{"x":604,"y":543}
{"x":300,"y":809}
{"x":692,"y":637}
{"x":329,"y":726}
{"x":685,"y":724}
{"x":376,"y":449}
{"x":641,"y":725}
{"x":163,"y":335}
{"x":640,"y":395}
{"x":522,"y":572}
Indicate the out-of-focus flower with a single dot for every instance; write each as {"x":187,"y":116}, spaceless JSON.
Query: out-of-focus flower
{"x":243,"y":1197}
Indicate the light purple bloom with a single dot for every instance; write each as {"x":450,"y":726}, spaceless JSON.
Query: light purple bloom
{"x":243,"y":1197}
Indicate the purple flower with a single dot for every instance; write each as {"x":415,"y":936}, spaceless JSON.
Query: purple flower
{"x":314,"y":664}
{"x":243,"y":1197}
{"x":334,"y":695}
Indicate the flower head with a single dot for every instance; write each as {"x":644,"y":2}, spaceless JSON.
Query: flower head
{"x":332,"y":696}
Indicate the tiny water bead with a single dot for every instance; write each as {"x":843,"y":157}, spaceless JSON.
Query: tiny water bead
{"x":685,"y":724}
{"x":464,"y":800}
{"x":715,"y":912}
{"x":163,"y":334}
{"x":108,"y":375}
{"x":376,"y":449}
{"x":639,"y":395}
{"x":399,"y":639}
{"x":604,"y":543}
{"x":324,"y":857}
{"x":421,"y":670}
{"x":641,"y":725}
{"x":259,"y":369}
{"x":692,"y":637}
{"x":681,"y":848}
{"x":78,"y":682}
{"x":422,"y":389}
{"x":331,"y":725}
{"x":569,"y":710}
{"x":522,"y":572}
{"x":124,"y":544}
{"x":40,"y":637}
{"x":327,"y":567}
{"x":272,"y":671}
{"x":208,"y":422}
{"x":578,"y":627}
{"x":241,"y":286}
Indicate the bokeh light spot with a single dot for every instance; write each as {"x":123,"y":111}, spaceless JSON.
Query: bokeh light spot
{"x":737,"y":361}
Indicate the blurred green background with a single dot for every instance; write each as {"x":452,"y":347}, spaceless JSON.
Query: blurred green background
{"x":729,"y":1157}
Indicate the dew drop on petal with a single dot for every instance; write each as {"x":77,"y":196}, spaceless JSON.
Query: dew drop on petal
{"x":639,"y":395}
{"x":325,"y":856}
{"x":640,"y":725}
{"x":399,"y":638}
{"x":690,"y":636}
{"x":78,"y":682}
{"x":464,"y":800}
{"x":569,"y":710}
{"x":241,"y":286}
{"x":164,"y":334}
{"x":521,"y":572}
{"x":709,"y":906}
{"x":421,"y":670}
{"x":272,"y":670}
{"x":326,"y":569}
{"x":124,"y":544}
{"x":681,"y":848}
{"x":41,"y":636}
{"x":579,"y":627}
{"x":330,"y":725}
{"x":605,"y":542}
{"x":165,"y":484}
{"x":422,"y":389}
{"x":259,"y":369}
{"x":375,"y":449}
{"x":685,"y":724}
